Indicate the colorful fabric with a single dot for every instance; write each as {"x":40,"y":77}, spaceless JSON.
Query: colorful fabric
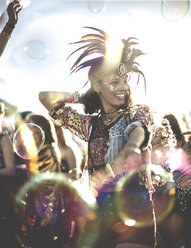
{"x":105,"y":141}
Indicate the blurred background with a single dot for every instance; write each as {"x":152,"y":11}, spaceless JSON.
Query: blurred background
{"x":35,"y":57}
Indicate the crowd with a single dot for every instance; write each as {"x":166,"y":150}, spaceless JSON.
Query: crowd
{"x":136,"y":170}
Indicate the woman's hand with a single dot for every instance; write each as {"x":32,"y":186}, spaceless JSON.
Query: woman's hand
{"x":50,"y":99}
{"x":129,"y":160}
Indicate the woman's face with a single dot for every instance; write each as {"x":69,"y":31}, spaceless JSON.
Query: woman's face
{"x":113,"y":90}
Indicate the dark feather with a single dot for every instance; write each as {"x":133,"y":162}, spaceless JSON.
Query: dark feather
{"x":95,"y":45}
{"x":98,"y":30}
{"x":85,"y":41}
{"x":87,"y":53}
{"x":91,"y":36}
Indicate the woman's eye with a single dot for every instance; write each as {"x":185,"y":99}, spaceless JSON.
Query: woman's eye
{"x":114,"y":84}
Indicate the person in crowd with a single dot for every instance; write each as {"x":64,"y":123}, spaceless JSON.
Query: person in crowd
{"x":68,"y":161}
{"x":50,"y":215}
{"x":22,"y":164}
{"x":174,"y":228}
{"x":119,"y":133}
{"x":7,"y":158}
{"x":13,"y":10}
{"x":7,"y":171}
{"x":48,"y":158}
{"x":174,"y":123}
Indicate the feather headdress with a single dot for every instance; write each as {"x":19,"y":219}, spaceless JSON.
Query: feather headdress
{"x":101,"y":66}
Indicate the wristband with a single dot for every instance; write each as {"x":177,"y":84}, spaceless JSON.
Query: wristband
{"x":6,"y":32}
{"x":76,"y":96}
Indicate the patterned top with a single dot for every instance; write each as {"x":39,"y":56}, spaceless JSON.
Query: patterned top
{"x":105,"y":141}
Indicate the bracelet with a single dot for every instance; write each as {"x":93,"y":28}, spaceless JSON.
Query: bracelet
{"x":76,"y":96}
{"x":73,"y":98}
{"x":6,"y":32}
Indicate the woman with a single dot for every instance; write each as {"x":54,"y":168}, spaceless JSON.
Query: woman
{"x":68,"y":160}
{"x":109,"y":102}
{"x":179,"y":234}
{"x":117,"y":131}
{"x":48,"y":158}
{"x":49,"y":217}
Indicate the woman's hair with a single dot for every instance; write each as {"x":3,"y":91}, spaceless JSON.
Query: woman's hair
{"x":92,"y":103}
{"x":43,"y":123}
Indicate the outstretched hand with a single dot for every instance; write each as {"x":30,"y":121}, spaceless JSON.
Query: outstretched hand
{"x":13,"y":10}
{"x":129,"y":160}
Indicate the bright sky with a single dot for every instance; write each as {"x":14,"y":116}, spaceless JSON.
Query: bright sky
{"x":35,"y":58}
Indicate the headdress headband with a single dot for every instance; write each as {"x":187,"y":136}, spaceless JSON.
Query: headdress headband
{"x":99,"y":66}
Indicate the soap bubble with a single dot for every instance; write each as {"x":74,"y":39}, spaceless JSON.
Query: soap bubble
{"x":134,"y":202}
{"x":174,"y":10}
{"x":50,"y":209}
{"x":28,"y":140}
{"x":36,"y":50}
{"x":96,"y":6}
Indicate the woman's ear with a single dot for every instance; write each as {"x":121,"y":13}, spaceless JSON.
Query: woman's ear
{"x":96,"y":87}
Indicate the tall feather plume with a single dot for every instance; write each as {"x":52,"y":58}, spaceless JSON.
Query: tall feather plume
{"x":130,"y":55}
{"x":96,"y":44}
{"x":92,"y":44}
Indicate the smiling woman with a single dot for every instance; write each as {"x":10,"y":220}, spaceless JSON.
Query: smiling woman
{"x":115,"y":129}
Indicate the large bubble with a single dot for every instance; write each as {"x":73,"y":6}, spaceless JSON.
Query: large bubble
{"x":51,"y":210}
{"x":37,"y":50}
{"x":174,"y":10}
{"x":96,"y":6}
{"x":136,"y":203}
{"x":28,"y":140}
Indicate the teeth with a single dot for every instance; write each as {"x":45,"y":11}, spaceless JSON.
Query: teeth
{"x":121,"y":95}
